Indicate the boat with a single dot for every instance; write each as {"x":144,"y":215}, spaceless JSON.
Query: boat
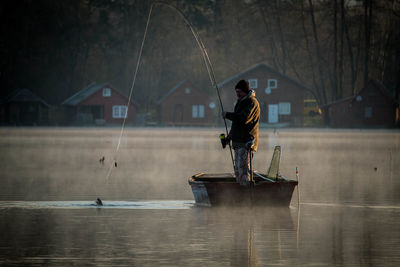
{"x":269,"y":189}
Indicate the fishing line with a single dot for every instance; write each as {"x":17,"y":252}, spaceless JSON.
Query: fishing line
{"x":114,"y":162}
{"x":207,"y":62}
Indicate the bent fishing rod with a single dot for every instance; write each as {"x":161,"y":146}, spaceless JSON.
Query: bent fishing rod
{"x":207,"y":62}
{"x":206,"y":59}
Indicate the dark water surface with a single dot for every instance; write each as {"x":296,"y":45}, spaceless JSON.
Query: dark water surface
{"x":49,"y":178}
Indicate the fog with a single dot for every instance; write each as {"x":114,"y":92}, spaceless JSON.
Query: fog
{"x":154,"y":163}
{"x":348,"y":215}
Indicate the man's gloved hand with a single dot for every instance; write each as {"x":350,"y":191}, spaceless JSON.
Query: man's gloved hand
{"x":224,"y":139}
{"x":249,"y":144}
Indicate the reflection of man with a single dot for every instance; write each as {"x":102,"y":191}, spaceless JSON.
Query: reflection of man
{"x":244,"y":130}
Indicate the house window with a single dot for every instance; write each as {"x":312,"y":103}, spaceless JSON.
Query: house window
{"x":198,"y":111}
{"x":284,"y":108}
{"x":120,"y":112}
{"x":253,"y":83}
{"x":187,"y":90}
{"x":272,"y":83}
{"x":368,"y":112}
{"x":201,"y":111}
{"x":106,"y":92}
{"x":195,"y":111}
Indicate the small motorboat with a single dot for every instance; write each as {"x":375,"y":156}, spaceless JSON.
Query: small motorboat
{"x":270,"y":189}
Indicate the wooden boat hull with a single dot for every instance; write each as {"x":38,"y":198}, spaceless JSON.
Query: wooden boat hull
{"x":222,"y":189}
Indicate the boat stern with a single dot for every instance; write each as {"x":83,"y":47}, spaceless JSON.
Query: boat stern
{"x":199,"y":191}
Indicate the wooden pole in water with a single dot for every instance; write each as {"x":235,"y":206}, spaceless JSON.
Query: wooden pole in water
{"x":298,"y":186}
{"x":251,"y":249}
{"x":279,"y":244}
{"x":391,"y":165}
{"x":298,"y":208}
{"x":298,"y":228}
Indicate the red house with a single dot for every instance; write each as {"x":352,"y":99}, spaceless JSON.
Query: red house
{"x":100,"y":104}
{"x":373,"y":106}
{"x":281,"y":98}
{"x":185,"y":104}
{"x":23,"y":107}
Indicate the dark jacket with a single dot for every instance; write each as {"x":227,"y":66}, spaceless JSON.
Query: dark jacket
{"x":245,"y":120}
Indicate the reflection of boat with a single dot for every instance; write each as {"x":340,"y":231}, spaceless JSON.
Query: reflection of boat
{"x":234,"y":218}
{"x":253,"y":235}
{"x":222,"y":189}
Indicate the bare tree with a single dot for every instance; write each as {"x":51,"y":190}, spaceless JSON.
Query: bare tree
{"x":310,"y":58}
{"x":281,"y":35}
{"x":335,"y":52}
{"x":321,"y":86}
{"x":367,"y":28}
{"x":342,"y":25}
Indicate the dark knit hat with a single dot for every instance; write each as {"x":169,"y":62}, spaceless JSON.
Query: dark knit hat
{"x":243,"y":85}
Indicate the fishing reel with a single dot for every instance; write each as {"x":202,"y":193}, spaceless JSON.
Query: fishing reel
{"x":224,"y":140}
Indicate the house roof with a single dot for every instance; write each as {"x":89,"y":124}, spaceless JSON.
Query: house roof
{"x":88,"y":91}
{"x":383,"y":89}
{"x":23,"y":95}
{"x":375,"y":83}
{"x":83,"y":94}
{"x":349,"y":99}
{"x":170,"y":92}
{"x":262,"y":64}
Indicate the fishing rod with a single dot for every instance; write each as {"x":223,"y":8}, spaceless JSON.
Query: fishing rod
{"x":206,"y":59}
{"x":207,"y":62}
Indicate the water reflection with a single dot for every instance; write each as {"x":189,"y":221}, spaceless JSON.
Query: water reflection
{"x":147,"y":205}
{"x":250,"y":234}
{"x":326,"y":235}
{"x":199,"y":236}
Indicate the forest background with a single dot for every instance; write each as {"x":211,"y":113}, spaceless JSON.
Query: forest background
{"x":56,"y":48}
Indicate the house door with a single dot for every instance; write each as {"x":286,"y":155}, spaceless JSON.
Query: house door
{"x":273,"y":113}
{"x":178,"y":113}
{"x":98,"y":112}
{"x":264,"y":112}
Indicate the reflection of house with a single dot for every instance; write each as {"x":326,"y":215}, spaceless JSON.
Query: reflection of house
{"x":22,"y":107}
{"x":373,"y":106}
{"x":99,"y":104}
{"x":281,"y":98}
{"x":185,"y":104}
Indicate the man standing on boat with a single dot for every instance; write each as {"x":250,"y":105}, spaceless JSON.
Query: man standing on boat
{"x":244,"y":130}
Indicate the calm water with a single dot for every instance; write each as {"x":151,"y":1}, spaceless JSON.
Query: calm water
{"x":49,"y":178}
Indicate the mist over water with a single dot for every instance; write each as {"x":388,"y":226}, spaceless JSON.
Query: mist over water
{"x":349,"y":184}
